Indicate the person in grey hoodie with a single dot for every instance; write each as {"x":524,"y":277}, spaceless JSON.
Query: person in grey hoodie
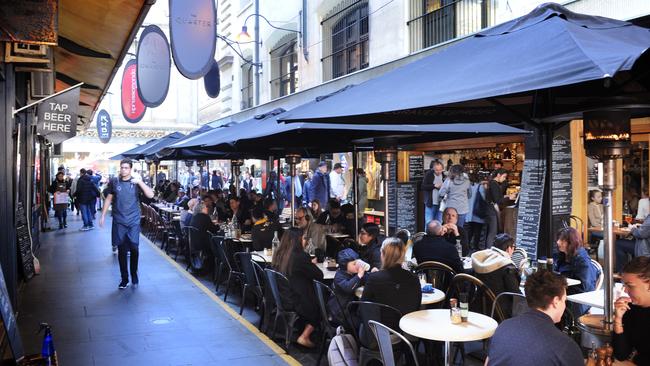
{"x":495,"y":268}
{"x":456,"y":190}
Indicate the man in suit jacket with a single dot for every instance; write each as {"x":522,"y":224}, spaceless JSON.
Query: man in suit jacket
{"x":320,"y":184}
{"x":434,"y":247}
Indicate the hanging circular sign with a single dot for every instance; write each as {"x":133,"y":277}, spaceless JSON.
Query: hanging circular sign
{"x":212,"y":81}
{"x":132,"y":107}
{"x":154,"y":65}
{"x":193,"y":34}
{"x":104,"y":126}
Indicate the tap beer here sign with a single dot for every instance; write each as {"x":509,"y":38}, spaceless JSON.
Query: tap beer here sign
{"x":57,"y":116}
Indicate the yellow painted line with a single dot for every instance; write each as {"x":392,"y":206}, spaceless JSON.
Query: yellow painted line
{"x":253,"y":329}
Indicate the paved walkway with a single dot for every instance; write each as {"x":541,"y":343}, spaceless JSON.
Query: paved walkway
{"x":170,"y":319}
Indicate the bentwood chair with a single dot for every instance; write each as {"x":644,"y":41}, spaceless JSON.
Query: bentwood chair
{"x":385,"y":339}
{"x":439,"y":275}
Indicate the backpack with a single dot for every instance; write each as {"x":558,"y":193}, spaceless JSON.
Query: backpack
{"x":343,"y":350}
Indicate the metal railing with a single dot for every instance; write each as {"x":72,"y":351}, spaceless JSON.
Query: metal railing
{"x":453,"y":19}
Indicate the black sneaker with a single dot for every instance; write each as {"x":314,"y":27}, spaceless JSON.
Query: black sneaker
{"x":134,"y":280}
{"x":114,"y":249}
{"x":123,"y":285}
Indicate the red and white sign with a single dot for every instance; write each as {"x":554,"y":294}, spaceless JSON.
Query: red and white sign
{"x":132,"y":107}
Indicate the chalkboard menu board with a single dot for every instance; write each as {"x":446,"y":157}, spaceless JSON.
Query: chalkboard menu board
{"x":407,"y":196}
{"x":416,"y":167}
{"x":9,"y":320}
{"x":530,"y":206}
{"x":392,"y":196}
{"x":24,"y":242}
{"x":561,"y":182}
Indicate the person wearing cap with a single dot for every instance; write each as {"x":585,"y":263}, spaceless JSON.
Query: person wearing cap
{"x":337,"y":183}
{"x":349,"y":276}
{"x":320,"y":184}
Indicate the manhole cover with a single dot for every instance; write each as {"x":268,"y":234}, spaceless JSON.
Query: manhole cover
{"x":160,"y":321}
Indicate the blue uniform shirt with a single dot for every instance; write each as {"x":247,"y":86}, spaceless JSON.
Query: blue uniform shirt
{"x":126,"y":201}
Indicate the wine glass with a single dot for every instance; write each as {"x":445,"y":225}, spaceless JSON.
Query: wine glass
{"x":628,"y":218}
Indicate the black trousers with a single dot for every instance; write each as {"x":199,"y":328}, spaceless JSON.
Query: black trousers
{"x":122,"y":252}
{"x":474,"y":230}
{"x":492,"y":222}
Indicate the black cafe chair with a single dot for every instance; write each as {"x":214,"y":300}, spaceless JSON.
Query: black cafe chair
{"x":360,"y":312}
{"x":251,"y":283}
{"x":328,"y":326}
{"x":224,"y":266}
{"x":276,"y":281}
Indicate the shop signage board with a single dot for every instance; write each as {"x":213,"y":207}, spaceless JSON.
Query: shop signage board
{"x":154,"y":65}
{"x":132,"y":107}
{"x":562,"y":176}
{"x":26,"y":256}
{"x":33,"y":21}
{"x":9,"y":322}
{"x":212,"y":81}
{"x":407,"y":195}
{"x":104,"y":126}
{"x":416,"y":167}
{"x":530,"y":206}
{"x":57,"y":116}
{"x":193,"y":34}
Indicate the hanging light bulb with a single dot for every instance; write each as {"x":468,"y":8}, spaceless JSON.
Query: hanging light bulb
{"x":244,"y":37}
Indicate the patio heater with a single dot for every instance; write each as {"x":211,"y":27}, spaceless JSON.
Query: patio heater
{"x":293,"y":160}
{"x":153,"y":181}
{"x":607,"y":137}
{"x":235,"y":166}
{"x":385,"y":157}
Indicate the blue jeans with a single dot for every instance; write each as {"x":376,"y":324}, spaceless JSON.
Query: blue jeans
{"x":461,"y":220}
{"x":432,"y":213}
{"x":87,"y":214}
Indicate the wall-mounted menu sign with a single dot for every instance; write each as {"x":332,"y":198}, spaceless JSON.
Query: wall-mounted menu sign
{"x":407,"y":195}
{"x":530,"y":206}
{"x":561,"y":182}
{"x":416,"y":167}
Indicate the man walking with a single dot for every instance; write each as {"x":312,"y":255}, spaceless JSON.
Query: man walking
{"x":125,"y":231}
{"x":337,"y":183}
{"x":86,"y":194}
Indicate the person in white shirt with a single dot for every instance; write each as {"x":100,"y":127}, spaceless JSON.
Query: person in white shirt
{"x":337,"y":183}
{"x":643,"y":210}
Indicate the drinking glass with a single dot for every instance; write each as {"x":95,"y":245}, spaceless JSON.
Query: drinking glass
{"x":629,"y":219}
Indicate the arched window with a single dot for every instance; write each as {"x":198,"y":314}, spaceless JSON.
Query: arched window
{"x":247,"y":89}
{"x":349,"y":40}
{"x":284,"y":69}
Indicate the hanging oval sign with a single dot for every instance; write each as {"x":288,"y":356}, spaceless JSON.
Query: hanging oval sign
{"x":154,"y":64}
{"x":104,"y":126}
{"x":212,"y":81}
{"x":193,"y":34}
{"x":132,"y":107}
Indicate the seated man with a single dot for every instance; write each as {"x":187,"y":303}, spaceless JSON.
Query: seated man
{"x":454,"y":232}
{"x":434,"y":247}
{"x":532,"y":338}
{"x":182,"y":199}
{"x":263,"y":230}
{"x":186,"y":215}
{"x":495,"y":268}
{"x":333,"y":216}
{"x":312,"y":231}
{"x":201,"y":220}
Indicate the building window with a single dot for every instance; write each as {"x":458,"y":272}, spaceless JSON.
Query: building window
{"x":285,"y":67}
{"x":247,"y":89}
{"x":348,"y":44}
{"x":436,"y":21}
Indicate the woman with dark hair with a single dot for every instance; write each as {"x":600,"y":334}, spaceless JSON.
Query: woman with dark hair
{"x":632,"y":314}
{"x":573,"y":262}
{"x":315,"y":208}
{"x":368,"y":245}
{"x":291,"y":260}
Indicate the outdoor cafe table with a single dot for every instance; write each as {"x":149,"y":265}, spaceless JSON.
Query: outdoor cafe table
{"x":327,"y":274}
{"x":435,"y":325}
{"x":618,"y":231}
{"x":594,"y":298}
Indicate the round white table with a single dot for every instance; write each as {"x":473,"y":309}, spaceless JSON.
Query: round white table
{"x":435,"y":325}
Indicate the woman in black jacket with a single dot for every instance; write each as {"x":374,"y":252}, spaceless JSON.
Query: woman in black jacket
{"x":496,"y":198}
{"x":291,"y":260}
{"x":393,"y":285}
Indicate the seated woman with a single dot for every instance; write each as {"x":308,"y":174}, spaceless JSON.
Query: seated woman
{"x":573,"y":262}
{"x":595,"y":214}
{"x":632,"y":314}
{"x":348,"y":278}
{"x":392,"y":285}
{"x":368,"y":246}
{"x":637,"y":245}
{"x":291,"y":260}
{"x":315,"y":208}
